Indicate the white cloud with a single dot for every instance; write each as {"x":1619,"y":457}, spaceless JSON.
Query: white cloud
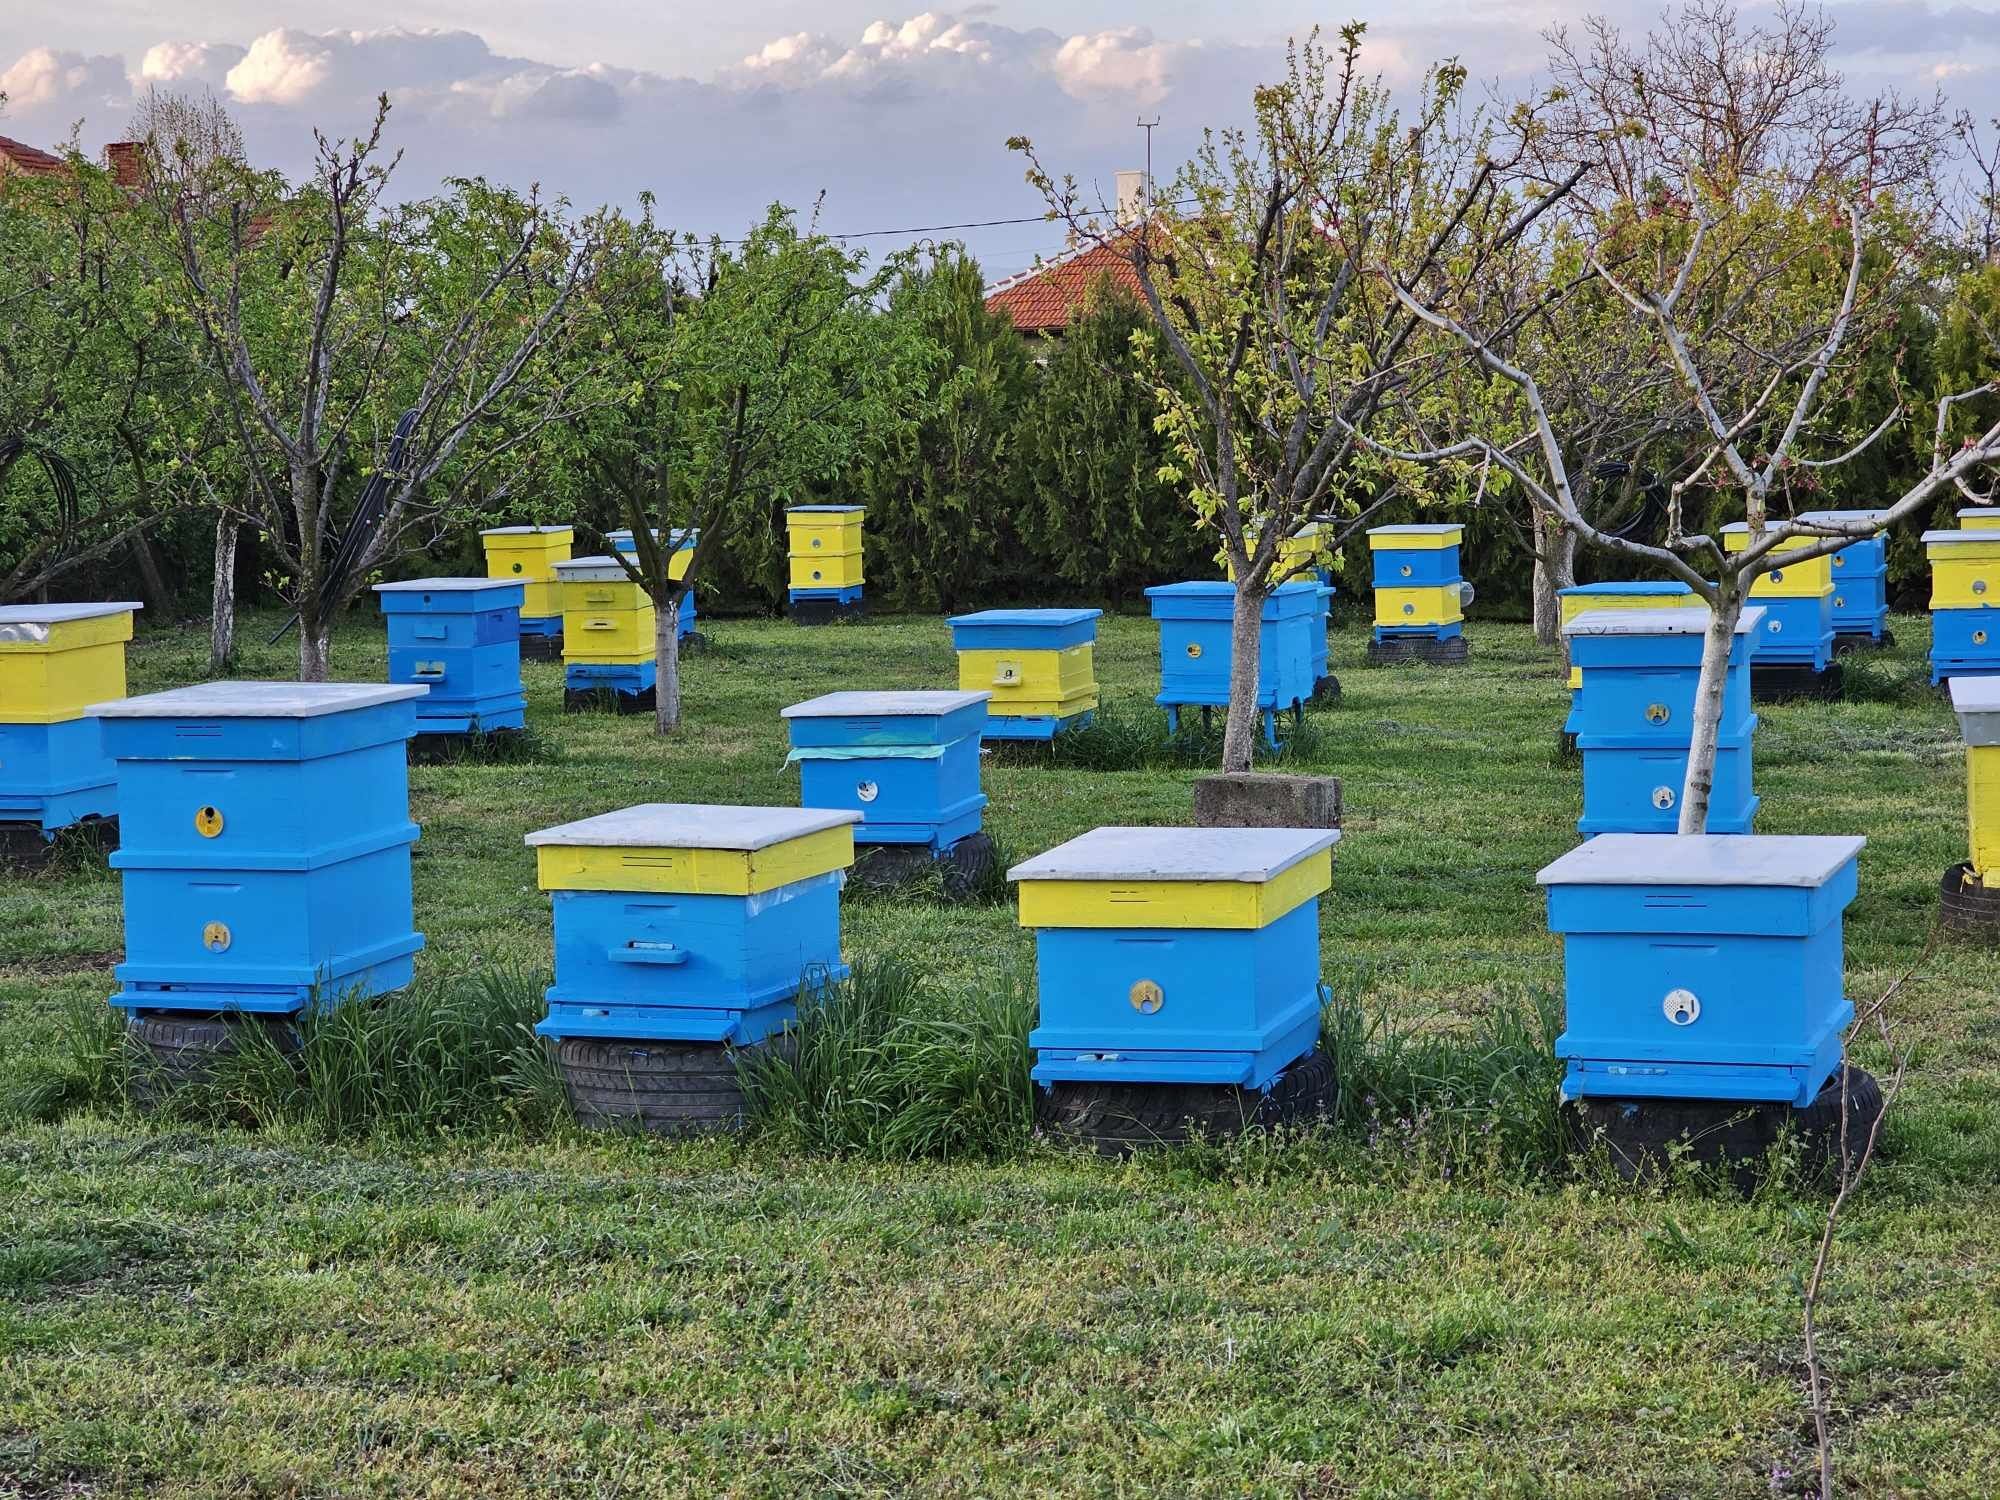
{"x":1125,"y":63}
{"x":49,"y":82}
{"x":181,"y":63}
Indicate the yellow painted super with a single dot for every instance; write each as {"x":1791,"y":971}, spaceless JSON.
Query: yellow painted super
{"x":1416,"y":541}
{"x":1965,"y":571}
{"x":825,"y":570}
{"x":1982,"y":788}
{"x":1979,"y":520}
{"x":1569,"y":606}
{"x":527,"y":556}
{"x":694,"y":872}
{"x":75,"y":663}
{"x":1032,"y":684}
{"x":1803,"y":580}
{"x":1233,"y":904}
{"x":816,"y":532}
{"x":1298,"y":555}
{"x":1436,"y":605}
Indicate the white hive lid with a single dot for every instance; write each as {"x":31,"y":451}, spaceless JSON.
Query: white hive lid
{"x":258,"y":700}
{"x":524,"y":530}
{"x":693,"y":825}
{"x":1251,"y":855}
{"x":593,"y":569}
{"x":793,"y":510}
{"x":1977,"y":512}
{"x":1868,"y":517}
{"x":1805,"y":861}
{"x":1976,"y":701}
{"x":1957,"y":538}
{"x":915,"y":703}
{"x":446,"y":585}
{"x":1656,"y":621}
{"x":29,"y":624}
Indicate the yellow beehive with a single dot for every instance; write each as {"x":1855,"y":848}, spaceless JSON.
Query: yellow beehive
{"x":1979,"y":518}
{"x":1802,"y":580}
{"x":834,"y":570}
{"x":1977,"y":702}
{"x":1421,"y":606}
{"x":1298,"y":557}
{"x":527,"y":555}
{"x":824,"y":543}
{"x":693,"y":871}
{"x":1031,"y":684}
{"x":57,"y":659}
{"x":1175,"y":903}
{"x":1572,"y":602}
{"x":1965,"y":569}
{"x":608,"y":618}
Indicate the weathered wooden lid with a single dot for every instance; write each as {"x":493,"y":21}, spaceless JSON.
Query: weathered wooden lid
{"x":1252,"y":855}
{"x":1656,"y":621}
{"x":1976,"y":701}
{"x":258,"y":700}
{"x":1807,"y":861}
{"x":446,"y":585}
{"x":914,"y":703}
{"x":693,"y":825}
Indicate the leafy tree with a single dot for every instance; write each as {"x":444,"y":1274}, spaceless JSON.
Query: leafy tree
{"x":941,"y":489}
{"x":1094,"y":509}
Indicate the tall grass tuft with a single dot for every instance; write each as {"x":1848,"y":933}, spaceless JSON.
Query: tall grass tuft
{"x":1121,"y":738}
{"x":85,"y":1071}
{"x":888,"y":1066}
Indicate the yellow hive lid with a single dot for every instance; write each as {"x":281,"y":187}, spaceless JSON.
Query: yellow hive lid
{"x":1175,"y":877}
{"x":695,"y":848}
{"x":1424,"y":538}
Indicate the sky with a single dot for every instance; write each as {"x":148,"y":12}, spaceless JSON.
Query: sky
{"x":898,"y":117}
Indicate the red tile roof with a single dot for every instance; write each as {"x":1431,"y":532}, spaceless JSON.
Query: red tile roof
{"x":18,"y":156}
{"x":1046,"y":298}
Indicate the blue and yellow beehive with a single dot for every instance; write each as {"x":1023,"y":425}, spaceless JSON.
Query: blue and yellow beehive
{"x":1177,"y":955}
{"x":1702,"y":966}
{"x":608,"y":628}
{"x":1979,"y":518}
{"x":1860,"y":578}
{"x":1965,"y":603}
{"x":1299,"y":561}
{"x":461,"y":638}
{"x":683,"y":922}
{"x":1196,"y":621}
{"x":824,"y":543}
{"x":906,"y":762}
{"x":1593,"y":597}
{"x":1635,"y":719}
{"x":265,"y":831}
{"x":1038,"y":665}
{"x":1976,"y":700}
{"x":55,"y":661}
{"x":678,"y":562}
{"x":527,"y":555}
{"x":1419,"y":591}
{"x":1798,"y":604}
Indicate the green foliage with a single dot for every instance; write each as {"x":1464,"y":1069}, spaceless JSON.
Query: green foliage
{"x":941,"y":489}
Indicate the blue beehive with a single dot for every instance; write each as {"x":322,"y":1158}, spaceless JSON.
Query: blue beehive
{"x":1320,"y":670}
{"x":1177,"y":955}
{"x":1584,"y":598}
{"x":681,"y":922}
{"x":683,"y":555}
{"x":1038,"y":667}
{"x":1635,"y":718}
{"x":907,"y":762}
{"x":461,"y":638}
{"x":1195,"y":625}
{"x":1702,"y":967}
{"x":1860,"y":579}
{"x":1419,"y":587}
{"x":1797,"y":600}
{"x":55,"y":660}
{"x":1965,"y":602}
{"x":266,"y":844}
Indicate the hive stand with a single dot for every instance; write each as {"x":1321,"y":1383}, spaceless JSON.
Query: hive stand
{"x":55,"y":660}
{"x":460,"y":639}
{"x":908,"y":764}
{"x":824,"y":563}
{"x":1635,"y":718}
{"x":265,"y":859}
{"x":1794,"y":657}
{"x":1703,"y":994}
{"x":1037,"y":666}
{"x":1420,"y":597}
{"x":1585,"y":597}
{"x":1860,"y":583}
{"x":608,"y":645}
{"x":1970,"y":892}
{"x":684,"y":934}
{"x":1196,"y":621}
{"x":678,"y":563}
{"x":1178,"y":973}
{"x":527,"y":555}
{"x":1965,"y":603}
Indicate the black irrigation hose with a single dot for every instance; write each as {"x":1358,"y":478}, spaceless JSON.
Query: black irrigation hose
{"x":361,"y":527}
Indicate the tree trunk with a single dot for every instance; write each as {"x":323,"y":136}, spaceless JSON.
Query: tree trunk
{"x":1555,"y":570}
{"x":1708,"y":697}
{"x":222,"y":599}
{"x":667,"y":663}
{"x":315,"y":643}
{"x":1239,"y":736}
{"x":152,"y":583}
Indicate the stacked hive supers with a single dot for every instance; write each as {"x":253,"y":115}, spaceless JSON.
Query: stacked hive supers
{"x":1971,"y":890}
{"x":56,"y":660}
{"x":608,"y":634}
{"x":1860,"y":580}
{"x":825,"y":561}
{"x":678,"y":562}
{"x":461,"y":639}
{"x":1795,"y":649}
{"x":1965,"y":603}
{"x":1420,"y":593}
{"x":1037,"y":665}
{"x":527,"y":555}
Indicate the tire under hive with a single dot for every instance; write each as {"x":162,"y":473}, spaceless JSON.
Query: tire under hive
{"x":24,"y":846}
{"x":168,"y":1052}
{"x":1116,"y":1119}
{"x":674,"y":1089}
{"x":826,"y":611}
{"x":1967,"y":905}
{"x":1392,"y":649}
{"x":606,"y":700}
{"x":1794,"y":684}
{"x":960,"y":869}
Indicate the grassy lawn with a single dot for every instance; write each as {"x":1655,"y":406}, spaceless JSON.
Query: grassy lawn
{"x":194,"y":1311}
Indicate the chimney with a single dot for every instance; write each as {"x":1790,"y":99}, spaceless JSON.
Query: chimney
{"x":1135,"y":196}
{"x":127,"y":162}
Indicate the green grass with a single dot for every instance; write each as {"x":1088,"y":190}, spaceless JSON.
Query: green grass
{"x":410,"y":1281}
